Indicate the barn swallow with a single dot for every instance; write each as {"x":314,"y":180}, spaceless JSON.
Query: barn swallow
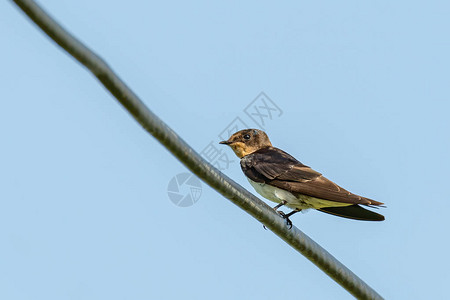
{"x":281,"y":178}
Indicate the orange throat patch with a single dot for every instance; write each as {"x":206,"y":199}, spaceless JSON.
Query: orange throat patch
{"x":241,"y":150}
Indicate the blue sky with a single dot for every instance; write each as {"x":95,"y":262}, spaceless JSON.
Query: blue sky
{"x":85,"y":214}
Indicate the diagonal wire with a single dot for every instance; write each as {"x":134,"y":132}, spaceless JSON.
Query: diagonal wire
{"x":192,"y":160}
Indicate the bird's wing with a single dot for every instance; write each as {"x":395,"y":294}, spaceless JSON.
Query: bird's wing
{"x":272,"y":163}
{"x":277,"y":168}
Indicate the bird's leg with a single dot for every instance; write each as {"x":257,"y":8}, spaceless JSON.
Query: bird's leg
{"x":286,"y":216}
{"x":293,"y":212}
{"x":280,"y":205}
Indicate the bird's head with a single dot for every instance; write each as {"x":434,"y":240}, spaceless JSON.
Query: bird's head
{"x":247,"y":141}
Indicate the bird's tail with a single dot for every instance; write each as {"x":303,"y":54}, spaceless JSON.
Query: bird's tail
{"x":353,"y":212}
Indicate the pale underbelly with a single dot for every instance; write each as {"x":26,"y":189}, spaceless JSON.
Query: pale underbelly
{"x":300,"y":202}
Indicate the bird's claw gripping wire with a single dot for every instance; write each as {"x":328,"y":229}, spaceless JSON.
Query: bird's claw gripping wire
{"x":283,"y":215}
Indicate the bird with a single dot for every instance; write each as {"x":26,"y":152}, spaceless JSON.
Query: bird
{"x":281,"y":178}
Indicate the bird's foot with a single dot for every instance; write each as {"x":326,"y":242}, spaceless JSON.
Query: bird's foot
{"x":276,"y":209}
{"x":283,"y":215}
{"x":286,"y":217}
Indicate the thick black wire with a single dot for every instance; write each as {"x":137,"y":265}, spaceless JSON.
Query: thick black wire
{"x":193,"y":161}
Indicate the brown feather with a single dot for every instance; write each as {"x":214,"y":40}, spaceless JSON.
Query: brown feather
{"x":277,"y":168}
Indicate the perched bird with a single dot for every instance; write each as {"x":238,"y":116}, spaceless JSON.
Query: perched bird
{"x":281,"y":178}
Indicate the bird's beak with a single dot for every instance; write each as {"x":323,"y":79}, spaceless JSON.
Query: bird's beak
{"x":225,"y":142}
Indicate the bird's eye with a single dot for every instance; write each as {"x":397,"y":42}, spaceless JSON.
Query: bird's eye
{"x":247,"y":137}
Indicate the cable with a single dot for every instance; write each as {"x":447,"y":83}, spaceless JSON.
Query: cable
{"x":192,"y":160}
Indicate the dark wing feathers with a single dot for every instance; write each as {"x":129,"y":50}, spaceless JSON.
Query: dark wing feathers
{"x":285,"y":171}
{"x":275,"y":167}
{"x":300,"y":173}
{"x":355,"y":212}
{"x":272,"y":163}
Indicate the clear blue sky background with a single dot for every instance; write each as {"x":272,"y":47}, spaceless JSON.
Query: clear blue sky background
{"x":84,"y":211}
